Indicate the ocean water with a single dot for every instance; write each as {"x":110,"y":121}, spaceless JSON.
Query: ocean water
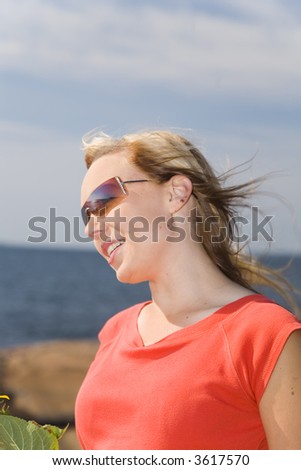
{"x":48,"y":294}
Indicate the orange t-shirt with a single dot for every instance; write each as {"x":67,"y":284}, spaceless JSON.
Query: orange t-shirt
{"x":198,"y":388}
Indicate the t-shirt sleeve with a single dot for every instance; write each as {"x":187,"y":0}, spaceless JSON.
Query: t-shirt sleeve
{"x":256,"y":337}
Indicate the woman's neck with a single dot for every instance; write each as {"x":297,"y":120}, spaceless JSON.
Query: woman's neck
{"x":192,"y":283}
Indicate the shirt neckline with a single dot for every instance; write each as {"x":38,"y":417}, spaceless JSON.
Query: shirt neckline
{"x":195,"y":328}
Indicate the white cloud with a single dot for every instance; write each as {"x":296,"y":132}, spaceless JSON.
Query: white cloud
{"x":185,"y":49}
{"x":252,"y":53}
{"x":39,"y":169}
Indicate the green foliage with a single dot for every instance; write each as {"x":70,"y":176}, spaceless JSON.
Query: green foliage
{"x":19,"y":434}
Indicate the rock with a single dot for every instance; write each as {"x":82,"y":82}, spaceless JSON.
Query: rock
{"x":43,"y":379}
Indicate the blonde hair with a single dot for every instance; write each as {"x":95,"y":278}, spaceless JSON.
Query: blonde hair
{"x":163,"y":154}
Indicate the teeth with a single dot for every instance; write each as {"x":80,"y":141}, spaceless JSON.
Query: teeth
{"x":113,"y":247}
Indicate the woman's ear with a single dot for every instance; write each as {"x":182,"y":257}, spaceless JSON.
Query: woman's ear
{"x":180,"y":189}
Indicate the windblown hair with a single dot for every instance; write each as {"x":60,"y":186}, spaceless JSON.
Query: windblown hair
{"x":163,"y":154}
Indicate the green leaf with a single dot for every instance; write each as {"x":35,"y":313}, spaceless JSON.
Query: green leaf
{"x":19,"y":434}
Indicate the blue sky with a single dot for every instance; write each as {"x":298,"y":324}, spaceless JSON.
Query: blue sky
{"x":225,"y":73}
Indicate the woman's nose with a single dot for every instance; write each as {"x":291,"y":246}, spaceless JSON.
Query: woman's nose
{"x":96,"y":227}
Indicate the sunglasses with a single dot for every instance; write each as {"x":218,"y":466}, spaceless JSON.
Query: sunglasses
{"x":105,"y":197}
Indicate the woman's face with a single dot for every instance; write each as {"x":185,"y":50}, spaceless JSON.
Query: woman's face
{"x":132,"y":235}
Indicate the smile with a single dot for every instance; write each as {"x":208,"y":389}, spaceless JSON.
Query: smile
{"x":113,"y":247}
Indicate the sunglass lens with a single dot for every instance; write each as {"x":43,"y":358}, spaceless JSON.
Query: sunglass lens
{"x":102,"y":198}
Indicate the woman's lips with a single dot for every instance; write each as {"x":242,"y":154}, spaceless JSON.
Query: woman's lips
{"x":105,"y":246}
{"x":112,"y":255}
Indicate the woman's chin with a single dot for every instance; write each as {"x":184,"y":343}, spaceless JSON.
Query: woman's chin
{"x":129,"y":277}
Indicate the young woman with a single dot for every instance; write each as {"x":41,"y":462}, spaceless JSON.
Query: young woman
{"x":207,"y":363}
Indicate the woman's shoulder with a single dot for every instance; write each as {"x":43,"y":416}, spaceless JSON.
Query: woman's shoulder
{"x":256,"y":334}
{"x":258,"y":324}
{"x":117,"y":321}
{"x":258,"y":327}
{"x":258,"y":311}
